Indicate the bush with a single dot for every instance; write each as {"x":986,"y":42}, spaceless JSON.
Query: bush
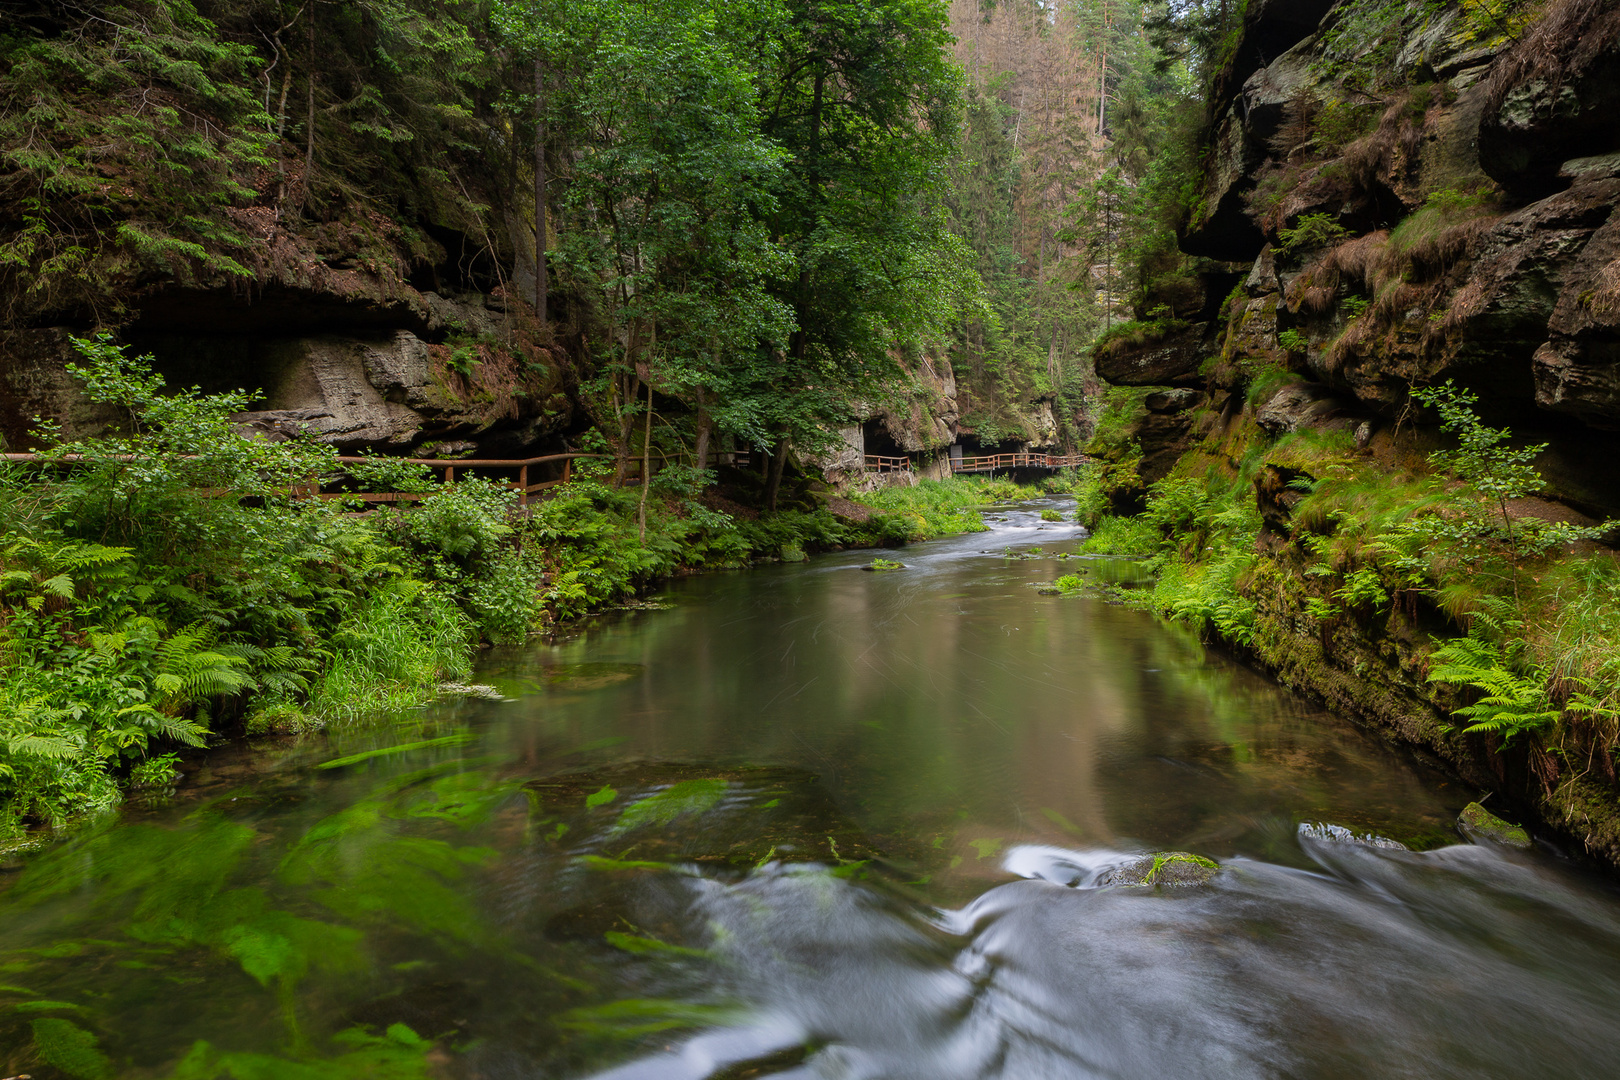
{"x":1312,"y":231}
{"x":144,"y":599}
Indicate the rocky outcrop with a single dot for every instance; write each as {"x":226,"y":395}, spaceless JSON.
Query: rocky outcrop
{"x":348,"y":391}
{"x":1555,"y":96}
{"x":939,"y":417}
{"x":356,"y":372}
{"x":1265,"y":72}
{"x":1577,"y":370}
{"x":1168,"y":360}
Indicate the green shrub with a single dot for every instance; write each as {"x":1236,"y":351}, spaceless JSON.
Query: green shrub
{"x":1313,"y":231}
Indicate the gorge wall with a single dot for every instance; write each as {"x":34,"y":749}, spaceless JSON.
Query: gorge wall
{"x":1394,"y":195}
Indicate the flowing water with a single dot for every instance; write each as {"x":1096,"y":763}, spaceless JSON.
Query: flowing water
{"x":810,"y":821}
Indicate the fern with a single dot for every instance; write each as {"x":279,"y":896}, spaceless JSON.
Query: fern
{"x":54,"y":747}
{"x":190,"y":670}
{"x":1510,"y":703}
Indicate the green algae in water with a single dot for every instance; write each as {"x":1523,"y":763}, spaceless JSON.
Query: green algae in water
{"x":636,"y":945}
{"x":390,"y":751}
{"x":635,"y":1017}
{"x":685,"y":797}
{"x":600,"y":862}
{"x":589,"y":676}
{"x":398,"y":1054}
{"x":70,"y":1048}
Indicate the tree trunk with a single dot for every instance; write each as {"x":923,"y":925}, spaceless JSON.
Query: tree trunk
{"x":309,"y":142}
{"x":646,"y":471}
{"x":701,"y":452}
{"x":542,"y":286}
{"x":800,"y":344}
{"x":773,"y":486}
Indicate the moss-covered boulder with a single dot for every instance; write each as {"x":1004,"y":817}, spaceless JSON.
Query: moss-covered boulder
{"x":1173,"y":869}
{"x":1480,"y":825}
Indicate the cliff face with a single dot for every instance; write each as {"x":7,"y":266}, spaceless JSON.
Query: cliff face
{"x":335,"y":336}
{"x":941,"y":412}
{"x":1460,"y":226}
{"x":1403,"y":194}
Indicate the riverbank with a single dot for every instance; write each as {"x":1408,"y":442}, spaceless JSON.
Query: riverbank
{"x":145,"y":611}
{"x":1394,"y":586}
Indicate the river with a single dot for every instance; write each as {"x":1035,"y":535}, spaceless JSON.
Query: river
{"x":812,"y":821}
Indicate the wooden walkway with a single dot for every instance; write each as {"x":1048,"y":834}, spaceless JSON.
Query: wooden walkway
{"x":993,"y":462}
{"x":527,"y":487}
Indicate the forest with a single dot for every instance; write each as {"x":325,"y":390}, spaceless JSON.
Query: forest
{"x":758,"y":222}
{"x":1187,"y":238}
{"x":542,"y":536}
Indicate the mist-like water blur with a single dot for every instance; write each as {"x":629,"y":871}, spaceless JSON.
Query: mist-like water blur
{"x":1460,"y":962}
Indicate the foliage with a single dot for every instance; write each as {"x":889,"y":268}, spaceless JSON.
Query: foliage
{"x":105,"y":172}
{"x":1294,"y":341}
{"x":220,"y":587}
{"x":1311,"y":232}
{"x":1510,"y":703}
{"x":933,"y":508}
{"x":1485,"y":456}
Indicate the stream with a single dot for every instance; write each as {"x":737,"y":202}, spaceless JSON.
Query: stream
{"x":810,"y":821}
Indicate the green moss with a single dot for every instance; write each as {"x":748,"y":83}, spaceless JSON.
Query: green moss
{"x":1479,"y":823}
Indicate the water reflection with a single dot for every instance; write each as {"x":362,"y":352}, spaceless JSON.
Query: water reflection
{"x":948,"y":703}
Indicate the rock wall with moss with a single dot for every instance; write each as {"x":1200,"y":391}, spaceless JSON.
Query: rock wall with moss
{"x":1397,"y":196}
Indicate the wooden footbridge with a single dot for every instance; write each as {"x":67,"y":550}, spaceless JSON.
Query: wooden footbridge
{"x":984,"y":463}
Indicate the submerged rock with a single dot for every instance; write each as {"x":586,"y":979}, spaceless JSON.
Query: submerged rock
{"x":1480,"y":825}
{"x":1169,"y":868}
{"x":477,"y":690}
{"x":1323,"y":833}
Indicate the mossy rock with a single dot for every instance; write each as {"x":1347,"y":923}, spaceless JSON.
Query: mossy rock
{"x":1172,"y":869}
{"x":1479,"y":824}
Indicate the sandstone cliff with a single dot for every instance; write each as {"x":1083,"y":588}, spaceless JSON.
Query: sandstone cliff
{"x":1395,"y":195}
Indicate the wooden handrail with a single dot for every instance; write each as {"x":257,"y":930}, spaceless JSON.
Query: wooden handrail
{"x":870,"y":463}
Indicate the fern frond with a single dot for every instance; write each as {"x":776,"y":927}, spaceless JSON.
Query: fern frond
{"x":53,"y":747}
{"x":60,"y":586}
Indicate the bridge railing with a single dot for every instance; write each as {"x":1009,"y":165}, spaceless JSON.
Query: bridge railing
{"x":992,"y":462}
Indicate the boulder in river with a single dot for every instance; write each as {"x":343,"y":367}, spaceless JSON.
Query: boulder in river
{"x":1479,"y":824}
{"x":1169,"y":868}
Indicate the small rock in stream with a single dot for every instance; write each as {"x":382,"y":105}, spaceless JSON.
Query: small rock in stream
{"x":1169,"y":868}
{"x":1324,"y":833}
{"x":1479,"y":824}
{"x":478,"y":690}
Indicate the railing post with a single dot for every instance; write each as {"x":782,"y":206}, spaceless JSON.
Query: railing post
{"x":523,"y":485}
{"x":449,"y":474}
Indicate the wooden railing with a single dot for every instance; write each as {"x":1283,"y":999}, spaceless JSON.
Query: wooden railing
{"x":874,"y":463}
{"x":992,"y":462}
{"x":449,"y":466}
